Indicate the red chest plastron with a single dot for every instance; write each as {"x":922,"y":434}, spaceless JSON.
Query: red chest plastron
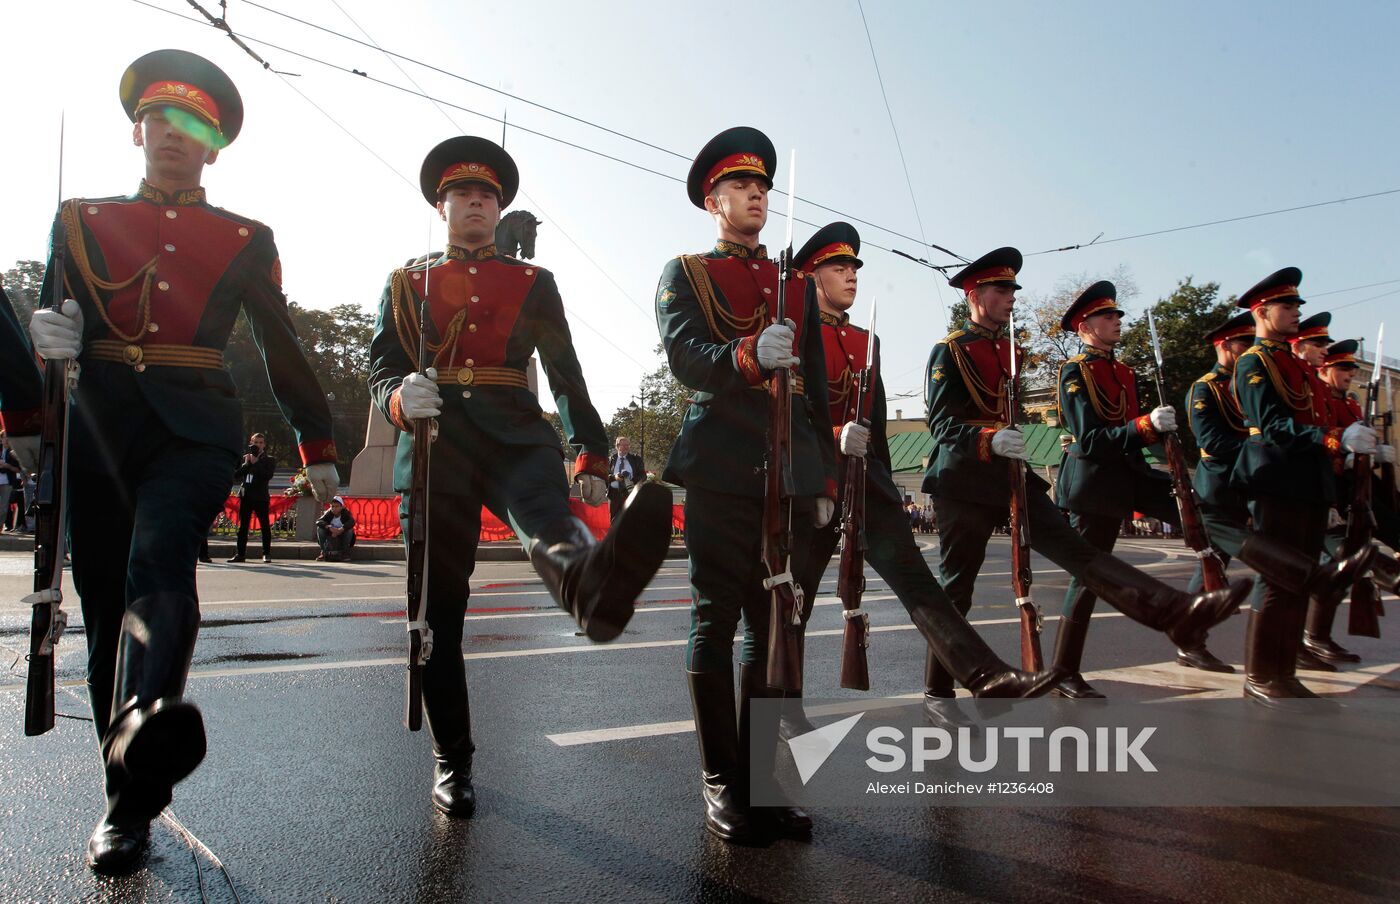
{"x":192,"y":247}
{"x":749,"y":284}
{"x":1114,"y":382}
{"x":845,"y":348}
{"x":476,"y":304}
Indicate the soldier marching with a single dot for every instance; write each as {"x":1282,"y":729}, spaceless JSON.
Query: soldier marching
{"x":152,"y":283}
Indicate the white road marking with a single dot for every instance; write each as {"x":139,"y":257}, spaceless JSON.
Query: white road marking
{"x":581,"y":647}
{"x":1191,"y":683}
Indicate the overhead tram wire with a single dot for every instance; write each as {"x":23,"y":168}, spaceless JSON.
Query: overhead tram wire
{"x":649,"y":315}
{"x":501,"y":120}
{"x":222,"y":25}
{"x":899,"y":146}
{"x":241,"y":37}
{"x":1249,"y":216}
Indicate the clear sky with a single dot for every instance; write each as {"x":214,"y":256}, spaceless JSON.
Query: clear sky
{"x":1030,"y":124}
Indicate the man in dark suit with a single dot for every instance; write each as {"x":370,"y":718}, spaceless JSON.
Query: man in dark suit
{"x":253,"y":476}
{"x":157,"y":280}
{"x":625,"y":471}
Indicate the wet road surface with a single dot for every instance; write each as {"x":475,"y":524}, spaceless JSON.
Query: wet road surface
{"x":586,"y":769}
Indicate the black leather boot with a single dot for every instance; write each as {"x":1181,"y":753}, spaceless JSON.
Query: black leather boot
{"x":1317,"y":637}
{"x":1296,"y":572}
{"x":598,"y":582}
{"x":1069,"y":649}
{"x":116,"y":848}
{"x":786,"y":820}
{"x":721,"y":774}
{"x":1265,"y":679}
{"x":1146,"y":600}
{"x":957,"y":651}
{"x":941,"y":709}
{"x":446,"y":705}
{"x":154,"y":736}
{"x":1199,"y":657}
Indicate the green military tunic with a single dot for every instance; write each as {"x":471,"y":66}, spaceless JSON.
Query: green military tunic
{"x":710,"y":309}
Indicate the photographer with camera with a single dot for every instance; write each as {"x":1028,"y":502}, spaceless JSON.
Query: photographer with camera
{"x":253,"y":476}
{"x":625,"y":471}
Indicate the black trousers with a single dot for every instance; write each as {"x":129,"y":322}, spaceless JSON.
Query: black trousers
{"x":890,"y":550}
{"x":135,"y":527}
{"x":338,"y":545}
{"x":1301,"y":525}
{"x":723,"y":537}
{"x":530,"y":494}
{"x":249,"y":504}
{"x":965,"y":527}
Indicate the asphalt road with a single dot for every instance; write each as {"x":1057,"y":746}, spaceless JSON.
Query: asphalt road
{"x":587,"y":769}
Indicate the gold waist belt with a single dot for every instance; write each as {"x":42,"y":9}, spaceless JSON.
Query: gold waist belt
{"x":483,"y":376}
{"x":141,"y":356}
{"x":798,"y":385}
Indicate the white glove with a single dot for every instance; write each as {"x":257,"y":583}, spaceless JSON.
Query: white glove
{"x":324,"y":480}
{"x":1009,"y":443}
{"x":825,"y":509}
{"x":26,"y":449}
{"x":1359,"y":438}
{"x":595,"y":488}
{"x":1385,"y":455}
{"x":1163,"y":419}
{"x":419,"y":396}
{"x":775,"y":346}
{"x":57,"y":335}
{"x":855,"y":440}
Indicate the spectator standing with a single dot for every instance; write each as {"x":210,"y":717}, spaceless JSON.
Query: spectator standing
{"x":625,"y":471}
{"x":253,"y":476}
{"x":10,"y":477}
{"x":335,"y":532}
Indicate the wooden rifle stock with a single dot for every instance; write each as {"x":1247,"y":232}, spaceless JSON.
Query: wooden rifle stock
{"x":1032,"y":659}
{"x":48,"y":619}
{"x":850,"y":580}
{"x":786,"y":604}
{"x":1363,"y":619}
{"x":1193,"y":529}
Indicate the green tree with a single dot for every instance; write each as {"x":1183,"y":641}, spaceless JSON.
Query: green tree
{"x":336,"y":342}
{"x":652,"y":420}
{"x":23,"y":284}
{"x":1183,"y":318}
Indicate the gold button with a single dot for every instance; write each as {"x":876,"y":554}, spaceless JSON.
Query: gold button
{"x":170,"y":214}
{"x":153,"y":327}
{"x":140,"y":368}
{"x":169,"y":247}
{"x":767,"y":291}
{"x":466,"y":393}
{"x":243,"y":231}
{"x":843,"y":332}
{"x":132,"y":355}
{"x":476,"y":298}
{"x":163,"y":286}
{"x":471,"y":328}
{"x":471,"y":269}
{"x":755,"y":266}
{"x":851,"y":357}
{"x":92,"y":210}
{"x":465,"y":375}
{"x":470,"y":362}
{"x":529,"y":271}
{"x":417,"y":276}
